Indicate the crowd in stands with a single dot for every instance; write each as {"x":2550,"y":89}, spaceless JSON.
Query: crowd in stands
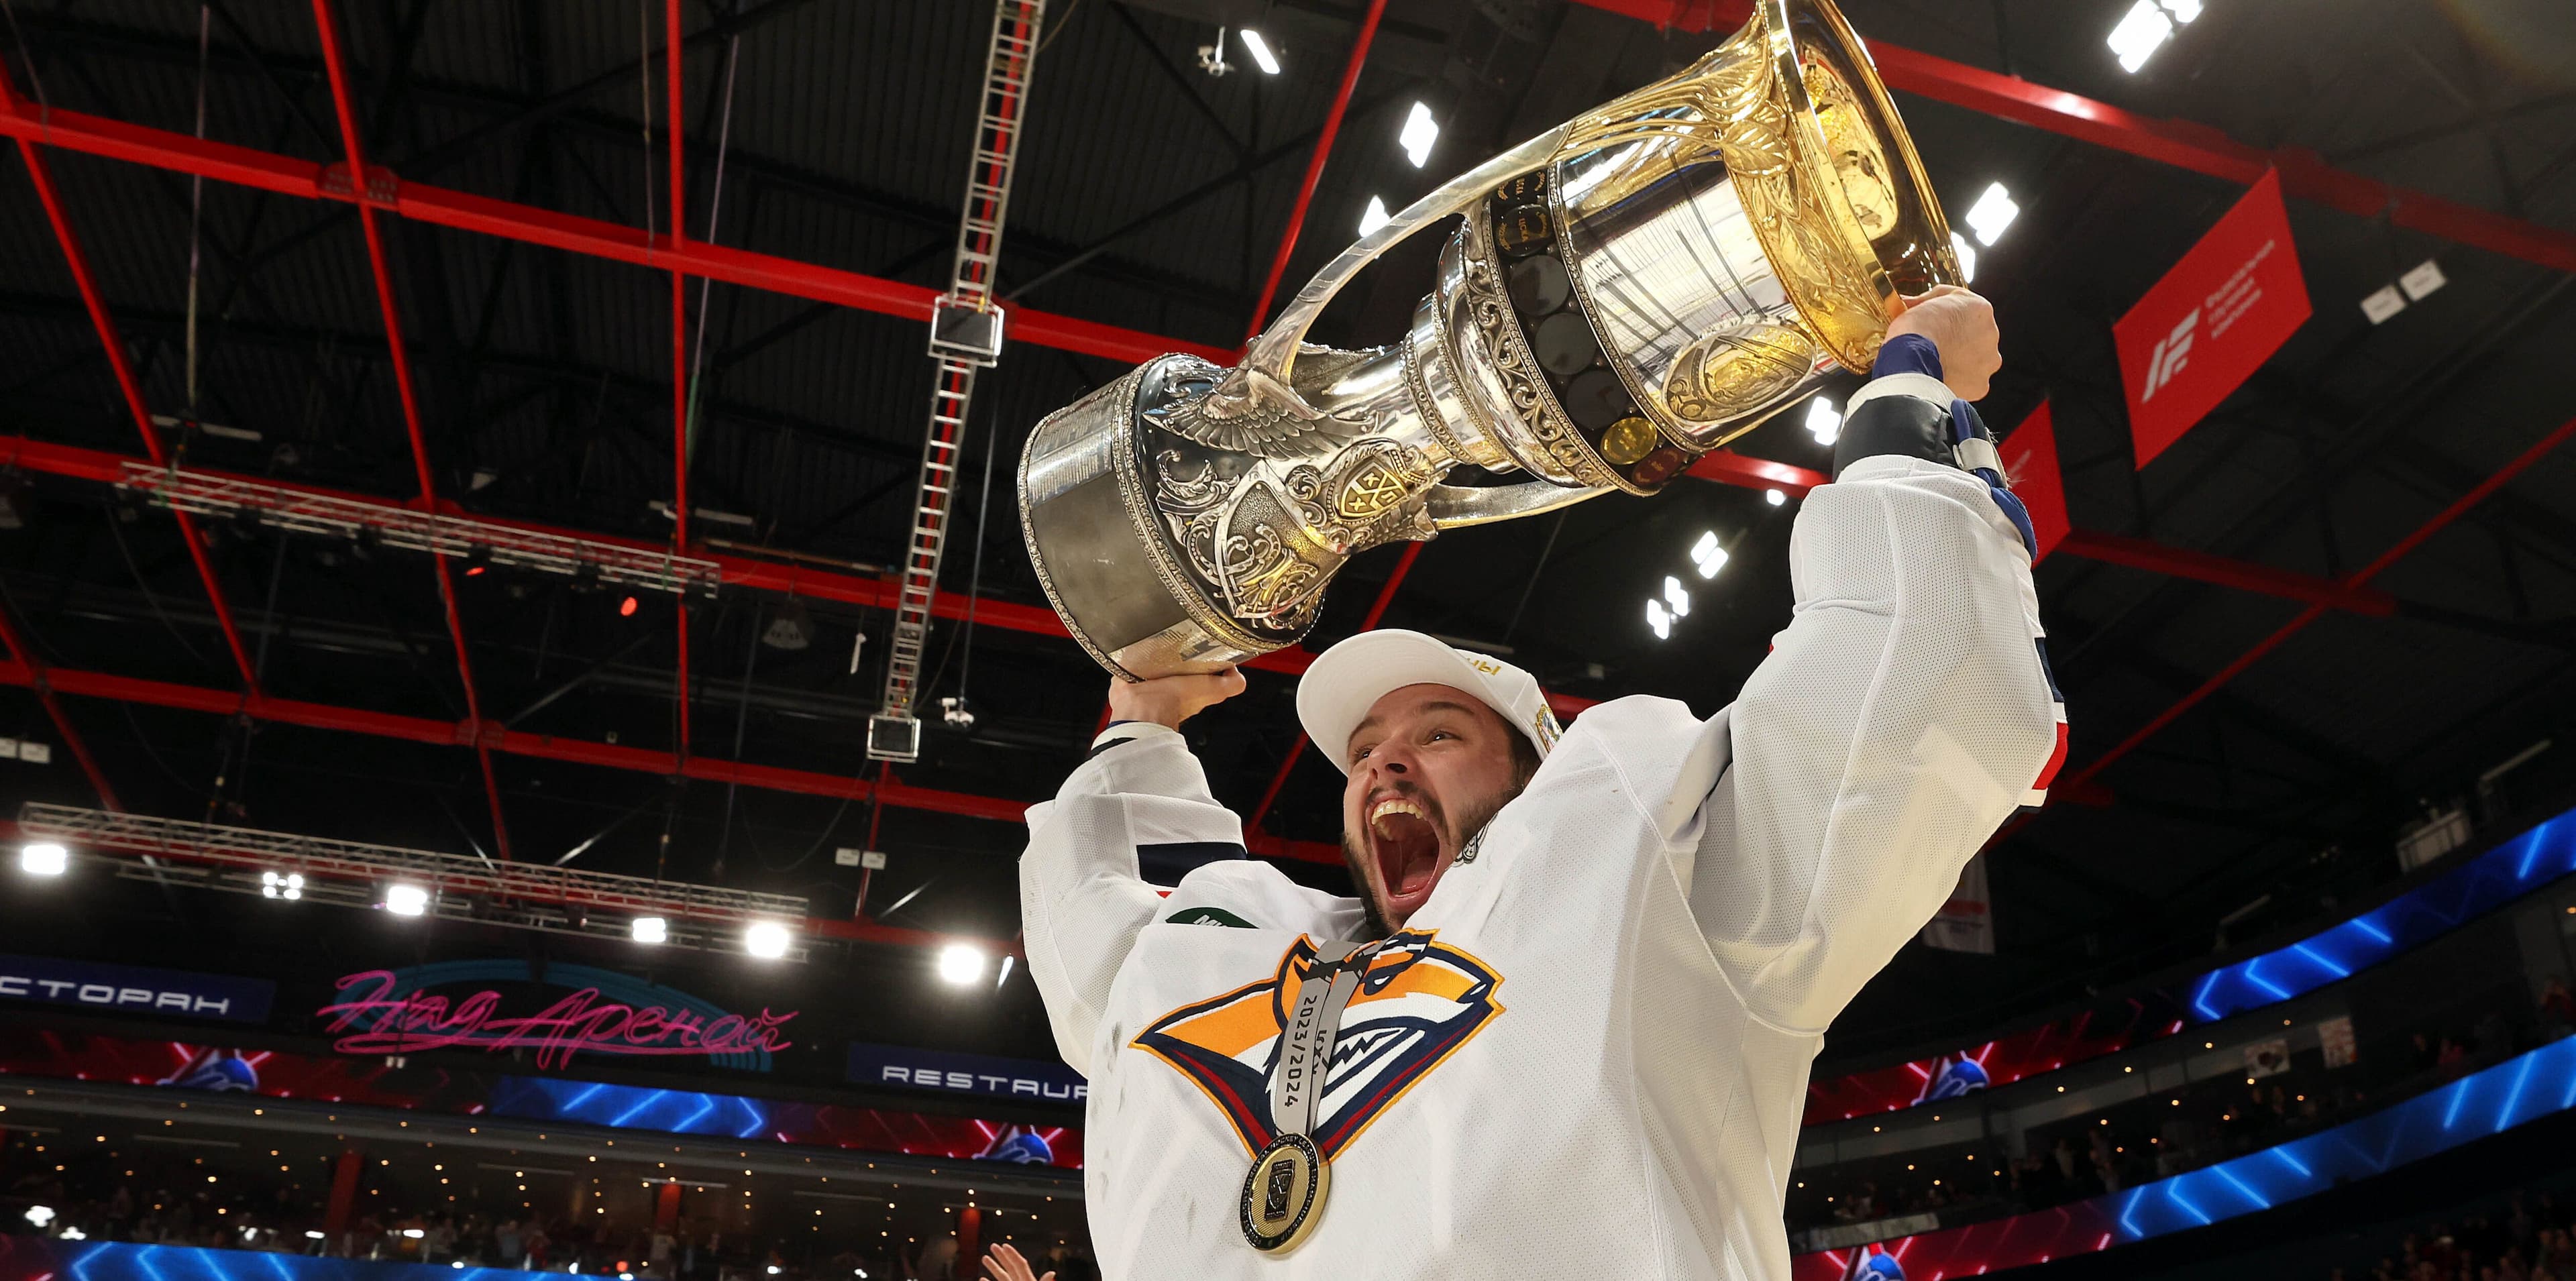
{"x":2533,"y":1239}
{"x":163,"y":1199}
{"x":2154,"y":1137}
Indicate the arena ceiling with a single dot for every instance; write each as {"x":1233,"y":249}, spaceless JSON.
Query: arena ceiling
{"x":1151,"y":197}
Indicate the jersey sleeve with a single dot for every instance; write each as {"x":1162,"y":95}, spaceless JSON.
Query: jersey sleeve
{"x":1083,"y":900}
{"x":1898,"y":721}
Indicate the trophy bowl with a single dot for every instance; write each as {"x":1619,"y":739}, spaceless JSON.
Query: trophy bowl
{"x":1619,"y":296}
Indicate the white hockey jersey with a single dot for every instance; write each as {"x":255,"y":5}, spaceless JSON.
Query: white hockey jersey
{"x":1588,"y":1053}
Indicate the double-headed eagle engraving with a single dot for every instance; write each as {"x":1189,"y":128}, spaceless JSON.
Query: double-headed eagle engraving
{"x":1249,"y":411}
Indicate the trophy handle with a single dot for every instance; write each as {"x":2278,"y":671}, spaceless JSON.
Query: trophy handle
{"x":1456,"y":506}
{"x":1276,"y":348}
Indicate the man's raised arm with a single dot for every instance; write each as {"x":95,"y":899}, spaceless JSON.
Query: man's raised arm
{"x":1082,"y":899}
{"x":1905,"y":711}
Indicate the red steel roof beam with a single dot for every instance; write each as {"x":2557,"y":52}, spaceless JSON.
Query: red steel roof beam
{"x":438,"y":733}
{"x":738,"y":571}
{"x":344,"y":101}
{"x":1727,"y":467}
{"x":1315,"y":166}
{"x":1377,"y":610}
{"x":2138,"y":553}
{"x":2314,"y":612}
{"x":440,"y":206}
{"x":2201,"y":149}
{"x":1730,"y":468}
{"x":2182,"y":143}
{"x":127,"y":385}
{"x":36,"y":680}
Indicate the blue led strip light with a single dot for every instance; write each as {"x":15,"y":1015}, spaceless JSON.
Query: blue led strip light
{"x":2489,"y":881}
{"x":123,"y":1261}
{"x":2511,"y":1093}
{"x":631,"y":1107}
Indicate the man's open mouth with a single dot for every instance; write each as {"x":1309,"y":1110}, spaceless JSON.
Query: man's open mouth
{"x":1406,"y":845}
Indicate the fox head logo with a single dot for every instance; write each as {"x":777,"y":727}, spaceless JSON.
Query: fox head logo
{"x":1419,"y":1001}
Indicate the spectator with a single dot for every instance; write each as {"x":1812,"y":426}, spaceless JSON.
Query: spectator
{"x":2557,"y":1009}
{"x":2454,"y":1060}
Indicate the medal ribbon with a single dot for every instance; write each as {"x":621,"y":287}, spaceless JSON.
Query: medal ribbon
{"x":1306,"y":1042}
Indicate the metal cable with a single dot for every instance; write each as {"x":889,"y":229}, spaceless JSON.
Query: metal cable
{"x":1065,"y":19}
{"x":975,"y":577}
{"x":1552,"y":531}
{"x":149,"y":596}
{"x":644,"y":86}
{"x":196,"y":211}
{"x":715,"y":213}
{"x":27,"y":54}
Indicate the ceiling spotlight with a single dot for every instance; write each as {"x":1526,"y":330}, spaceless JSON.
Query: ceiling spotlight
{"x":406,"y":900}
{"x":1260,"y":50}
{"x":43,"y":858}
{"x":960,"y":964}
{"x":1212,"y":56}
{"x":2139,"y":34}
{"x":1658,"y":620}
{"x":1824,"y":422}
{"x":1993,"y":212}
{"x":791,"y":627}
{"x":1774,"y":497}
{"x":1967,"y":257}
{"x":477,"y":559}
{"x":651,"y":929}
{"x":1420,"y":131}
{"x":1373,"y":217}
{"x":2423,"y":280}
{"x":1676,"y":597}
{"x":1706,"y":556}
{"x":281,"y":885}
{"x":2145,"y":28}
{"x":626,"y":608}
{"x":766,"y":940}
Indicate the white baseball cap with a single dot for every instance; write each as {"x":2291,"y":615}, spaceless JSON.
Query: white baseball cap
{"x":1347,"y":679}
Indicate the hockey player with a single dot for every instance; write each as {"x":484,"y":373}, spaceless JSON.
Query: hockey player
{"x":1565,"y":1030}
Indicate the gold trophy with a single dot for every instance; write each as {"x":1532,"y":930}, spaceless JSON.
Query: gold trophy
{"x":1622,"y":294}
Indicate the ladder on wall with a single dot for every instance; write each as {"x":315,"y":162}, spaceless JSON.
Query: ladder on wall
{"x":965,"y":334}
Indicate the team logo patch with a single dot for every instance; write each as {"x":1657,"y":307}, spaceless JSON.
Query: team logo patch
{"x":1420,"y":1001}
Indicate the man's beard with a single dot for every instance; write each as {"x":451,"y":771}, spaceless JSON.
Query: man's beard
{"x":1355,"y":857}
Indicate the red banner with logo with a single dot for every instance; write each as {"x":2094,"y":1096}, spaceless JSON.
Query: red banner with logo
{"x":2030,"y":464}
{"x":2212,"y":321}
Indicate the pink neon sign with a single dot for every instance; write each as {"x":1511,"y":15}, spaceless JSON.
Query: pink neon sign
{"x":389,"y":1021}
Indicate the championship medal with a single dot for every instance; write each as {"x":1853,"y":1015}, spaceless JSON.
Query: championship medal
{"x":1283,"y":1194}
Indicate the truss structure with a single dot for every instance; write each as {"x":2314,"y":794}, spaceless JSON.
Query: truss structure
{"x":965,"y":332}
{"x":305,"y":512}
{"x":457,"y":886}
